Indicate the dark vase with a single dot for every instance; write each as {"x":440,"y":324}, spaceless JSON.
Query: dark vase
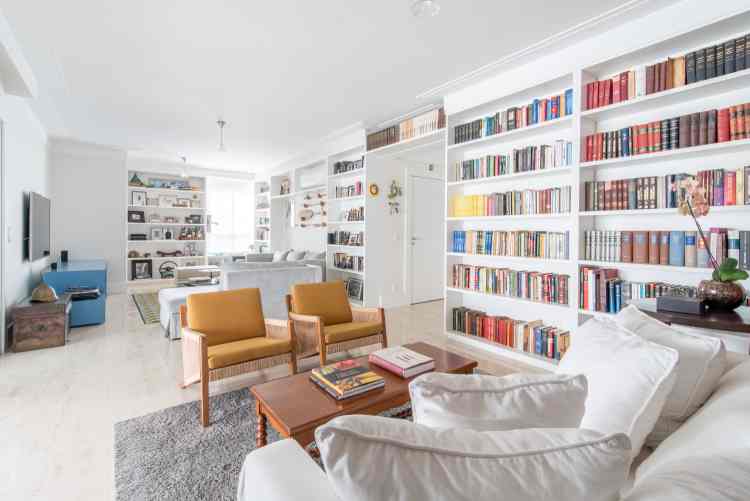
{"x":721,"y":295}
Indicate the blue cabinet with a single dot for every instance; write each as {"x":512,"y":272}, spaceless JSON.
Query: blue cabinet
{"x":81,"y":275}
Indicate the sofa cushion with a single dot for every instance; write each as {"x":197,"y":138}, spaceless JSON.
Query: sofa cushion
{"x":327,"y":300}
{"x":295,"y":255}
{"x":486,"y":403}
{"x":224,"y":355}
{"x":351,"y":330}
{"x":702,"y":362}
{"x":315,"y":256}
{"x":718,"y":427}
{"x":280,"y":255}
{"x":629,"y":378}
{"x":226,"y":316}
{"x":376,"y":458}
{"x":722,"y":476}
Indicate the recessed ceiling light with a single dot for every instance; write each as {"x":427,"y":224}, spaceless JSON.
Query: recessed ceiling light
{"x":425,"y":8}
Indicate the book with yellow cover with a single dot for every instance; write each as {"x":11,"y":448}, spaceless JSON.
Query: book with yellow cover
{"x":346,"y":378}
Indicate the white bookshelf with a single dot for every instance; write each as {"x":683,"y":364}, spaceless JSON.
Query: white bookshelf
{"x":714,"y":93}
{"x":166,"y":201}
{"x":262,"y":215}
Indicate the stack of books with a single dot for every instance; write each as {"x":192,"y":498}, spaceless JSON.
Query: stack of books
{"x":402,"y":361}
{"x":346,"y":379}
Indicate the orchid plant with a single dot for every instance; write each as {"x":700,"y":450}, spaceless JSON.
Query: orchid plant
{"x":695,"y":203}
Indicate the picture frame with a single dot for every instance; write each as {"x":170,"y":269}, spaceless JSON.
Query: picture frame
{"x":354,"y":289}
{"x":182,"y":202}
{"x":167,"y":201}
{"x":154,"y":218}
{"x":157,"y":233}
{"x":136,"y":216}
{"x":194,"y":219}
{"x":138,"y":198}
{"x":141,"y":269}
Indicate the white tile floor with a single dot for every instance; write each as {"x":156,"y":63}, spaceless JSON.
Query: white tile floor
{"x":58,"y":406}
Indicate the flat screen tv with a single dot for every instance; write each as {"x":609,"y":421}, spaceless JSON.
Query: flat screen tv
{"x":38,"y":238}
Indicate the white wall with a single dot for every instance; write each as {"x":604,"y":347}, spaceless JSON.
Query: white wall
{"x":26,"y":169}
{"x":88,"y":189}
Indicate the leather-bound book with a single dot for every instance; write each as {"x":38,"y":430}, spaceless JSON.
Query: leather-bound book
{"x":663,"y":247}
{"x":746,"y":114}
{"x":684,"y":138}
{"x":669,"y":73}
{"x":690,"y":67}
{"x":663,"y":76}
{"x":695,"y":120}
{"x":678,"y":71}
{"x":700,"y":65}
{"x":732,"y":123}
{"x":650,"y":78}
{"x":722,"y":125}
{"x":711,"y":126}
{"x":729,"y":66}
{"x":739,"y":54}
{"x":653,"y":247}
{"x":626,"y":247}
{"x":719,"y":59}
{"x":710,"y":62}
{"x":703,"y":128}
{"x":640,"y":247}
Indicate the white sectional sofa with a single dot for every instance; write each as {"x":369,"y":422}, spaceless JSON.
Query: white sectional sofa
{"x":274,"y":281}
{"x":707,"y":458}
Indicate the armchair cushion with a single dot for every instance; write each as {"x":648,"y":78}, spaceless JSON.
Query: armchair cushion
{"x":226,"y":316}
{"x":426,"y":463}
{"x":246,"y":350}
{"x":487,"y":403}
{"x":328,"y":300}
{"x":351,"y":330}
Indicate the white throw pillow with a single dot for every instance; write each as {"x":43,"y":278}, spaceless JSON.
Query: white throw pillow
{"x":486,"y":403}
{"x":280,"y":255}
{"x":629,"y":378}
{"x":295,"y":255}
{"x":702,"y":363}
{"x":375,"y":458}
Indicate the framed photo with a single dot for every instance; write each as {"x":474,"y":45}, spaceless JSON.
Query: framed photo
{"x":136,"y":216}
{"x":137,"y":197}
{"x":157,"y":233}
{"x":183,"y":202}
{"x":154,"y":218}
{"x":141,"y":269}
{"x":167,"y":201}
{"x":354,"y":288}
{"x":194,"y":219}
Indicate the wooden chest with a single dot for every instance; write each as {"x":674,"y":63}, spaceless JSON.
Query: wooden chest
{"x":41,"y":325}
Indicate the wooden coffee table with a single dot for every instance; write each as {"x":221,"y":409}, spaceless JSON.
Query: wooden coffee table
{"x":295,"y":406}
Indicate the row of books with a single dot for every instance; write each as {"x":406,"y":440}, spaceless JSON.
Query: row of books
{"x":516,"y":117}
{"x":521,"y":243}
{"x":407,"y":129}
{"x":344,"y":261}
{"x":528,"y":337}
{"x":531,"y":285}
{"x":529,"y":158}
{"x":706,"y":127}
{"x":696,"y":66}
{"x":723,"y":188}
{"x":602,"y":290}
{"x":509,"y":203}
{"x":351,"y":190}
{"x":673,"y":248}
{"x":343,"y":166}
{"x":342,"y":237}
{"x":353,"y":214}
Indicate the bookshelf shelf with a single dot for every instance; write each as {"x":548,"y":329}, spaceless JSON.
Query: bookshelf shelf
{"x":556,"y":124}
{"x":505,"y":351}
{"x":341,"y":246}
{"x":503,"y":218}
{"x":660,"y":212}
{"x":645,"y":266}
{"x":172,"y":191}
{"x":351,"y":173}
{"x":173,"y":241}
{"x":517,"y":175}
{"x":346,"y":222}
{"x":347,"y":199}
{"x":532,"y":261}
{"x":409,"y":144}
{"x":353,"y":272}
{"x":165,"y":207}
{"x":703,"y":150}
{"x":505,"y":298}
{"x":678,"y":95}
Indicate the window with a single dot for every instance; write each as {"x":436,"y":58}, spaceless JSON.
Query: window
{"x":230,"y":210}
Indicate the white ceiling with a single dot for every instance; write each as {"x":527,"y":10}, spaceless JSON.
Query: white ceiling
{"x":155,"y":75}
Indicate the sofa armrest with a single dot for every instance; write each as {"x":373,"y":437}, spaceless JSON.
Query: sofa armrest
{"x":283,"y":471}
{"x":368,"y":315}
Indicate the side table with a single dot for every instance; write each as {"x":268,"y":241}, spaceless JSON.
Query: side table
{"x":41,"y":325}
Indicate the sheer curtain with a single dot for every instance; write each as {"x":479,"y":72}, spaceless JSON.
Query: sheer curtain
{"x":230,"y":210}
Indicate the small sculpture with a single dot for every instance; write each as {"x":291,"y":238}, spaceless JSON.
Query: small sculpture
{"x":43,"y":293}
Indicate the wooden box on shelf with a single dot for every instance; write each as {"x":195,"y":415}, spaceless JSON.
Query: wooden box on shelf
{"x":41,"y":325}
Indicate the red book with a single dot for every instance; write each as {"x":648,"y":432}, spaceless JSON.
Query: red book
{"x":624,"y":86}
{"x":607,"y":92}
{"x":589,"y":87}
{"x":732,"y":123}
{"x":650,"y":78}
{"x":746,"y":114}
{"x":723,"y":125}
{"x":741,"y":128}
{"x":589,"y":148}
{"x":616,"y":90}
{"x":730,"y":188}
{"x":595,"y":95}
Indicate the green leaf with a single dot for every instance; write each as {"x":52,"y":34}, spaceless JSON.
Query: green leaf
{"x":715,"y":276}
{"x":729,"y":264}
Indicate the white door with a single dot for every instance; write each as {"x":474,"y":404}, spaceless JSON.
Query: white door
{"x":425,"y":240}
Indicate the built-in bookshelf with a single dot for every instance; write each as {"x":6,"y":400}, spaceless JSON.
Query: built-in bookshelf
{"x":262,"y":216}
{"x":165,"y":225}
{"x":615,"y":192}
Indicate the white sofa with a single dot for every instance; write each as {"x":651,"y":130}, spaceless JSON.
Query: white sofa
{"x":707,"y":458}
{"x":274,"y":283}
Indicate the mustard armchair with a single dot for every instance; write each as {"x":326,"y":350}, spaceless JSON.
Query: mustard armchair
{"x":224,"y":334}
{"x":322,"y":312}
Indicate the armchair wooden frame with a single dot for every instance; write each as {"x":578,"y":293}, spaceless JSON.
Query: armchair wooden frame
{"x":195,"y":358}
{"x":311,"y":326}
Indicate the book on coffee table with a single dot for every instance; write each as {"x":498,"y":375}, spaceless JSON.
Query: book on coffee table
{"x":402,"y":361}
{"x":346,"y":379}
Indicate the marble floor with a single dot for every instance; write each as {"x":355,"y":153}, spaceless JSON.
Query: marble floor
{"x":58,"y":406}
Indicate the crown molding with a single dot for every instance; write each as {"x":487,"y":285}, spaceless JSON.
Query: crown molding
{"x":576,"y":33}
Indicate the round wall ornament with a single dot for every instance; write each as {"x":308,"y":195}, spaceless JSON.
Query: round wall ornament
{"x":373,"y":189}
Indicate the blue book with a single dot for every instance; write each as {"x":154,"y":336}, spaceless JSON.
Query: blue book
{"x":677,"y":248}
{"x":569,"y":102}
{"x":535,"y":111}
{"x":537,"y":340}
{"x":618,"y":296}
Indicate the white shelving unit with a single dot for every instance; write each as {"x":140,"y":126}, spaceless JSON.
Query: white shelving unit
{"x":164,"y":222}
{"x":262,"y":215}
{"x":714,"y":93}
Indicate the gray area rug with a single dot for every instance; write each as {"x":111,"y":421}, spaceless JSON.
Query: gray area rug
{"x":168,"y":455}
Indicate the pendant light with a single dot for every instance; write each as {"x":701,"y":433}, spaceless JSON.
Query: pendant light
{"x":425,"y":8}
{"x":184,"y":170}
{"x":221,"y":123}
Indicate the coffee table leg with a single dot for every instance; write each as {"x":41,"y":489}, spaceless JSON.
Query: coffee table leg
{"x":260,"y":432}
